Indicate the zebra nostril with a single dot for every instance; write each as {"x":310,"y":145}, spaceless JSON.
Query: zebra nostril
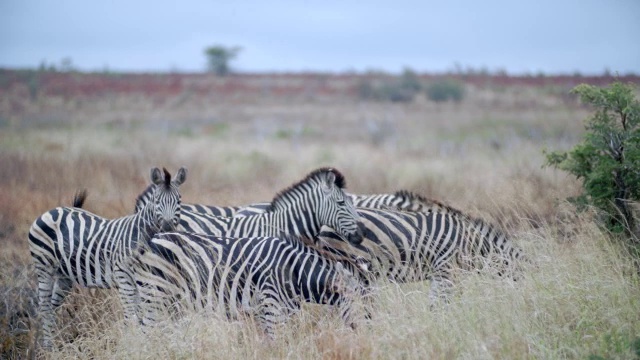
{"x":355,"y":238}
{"x":167,"y":226}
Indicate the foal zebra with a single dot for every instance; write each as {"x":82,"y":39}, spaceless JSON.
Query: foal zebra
{"x":264,"y":276}
{"x":73,"y":246}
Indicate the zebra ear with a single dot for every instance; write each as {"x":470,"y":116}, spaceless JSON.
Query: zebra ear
{"x":329,"y":182}
{"x":181,"y":176}
{"x":156,"y":176}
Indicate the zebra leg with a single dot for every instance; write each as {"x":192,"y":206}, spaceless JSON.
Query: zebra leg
{"x":61,"y":288}
{"x":440,"y":287}
{"x":129,"y":296}
{"x":270,"y":311}
{"x":45,"y":307}
{"x":149,"y":304}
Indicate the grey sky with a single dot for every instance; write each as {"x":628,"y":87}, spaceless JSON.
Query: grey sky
{"x":553,"y":36}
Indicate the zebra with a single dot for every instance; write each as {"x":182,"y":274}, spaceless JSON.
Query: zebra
{"x":409,"y":246}
{"x":70,"y":246}
{"x":267,"y":277}
{"x":302,"y":209}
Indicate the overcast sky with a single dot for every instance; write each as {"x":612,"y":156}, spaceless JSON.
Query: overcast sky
{"x":553,"y":36}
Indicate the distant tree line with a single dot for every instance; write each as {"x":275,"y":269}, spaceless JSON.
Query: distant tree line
{"x":406,"y":87}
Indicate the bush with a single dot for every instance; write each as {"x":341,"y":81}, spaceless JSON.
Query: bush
{"x":445,"y":90}
{"x":402,"y":90}
{"x":608,"y":159}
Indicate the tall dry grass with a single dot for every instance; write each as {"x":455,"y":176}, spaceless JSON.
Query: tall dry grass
{"x":580,"y":298}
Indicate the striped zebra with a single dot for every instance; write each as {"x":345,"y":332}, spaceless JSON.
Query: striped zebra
{"x":302,"y":209}
{"x":266,"y":277}
{"x":413,"y":238}
{"x":409,"y":246}
{"x":70,"y":246}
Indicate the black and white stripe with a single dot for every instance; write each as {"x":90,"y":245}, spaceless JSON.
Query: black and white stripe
{"x":302,"y":209}
{"x":70,"y":246}
{"x":414,"y":246}
{"x":266,"y":277}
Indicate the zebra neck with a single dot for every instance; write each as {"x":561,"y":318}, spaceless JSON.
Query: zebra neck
{"x":300,"y":223}
{"x":314,"y":277}
{"x":145,"y":224}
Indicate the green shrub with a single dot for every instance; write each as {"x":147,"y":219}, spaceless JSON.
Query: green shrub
{"x":398,"y":90}
{"x":608,"y":159}
{"x":445,"y":90}
{"x":395,"y":93}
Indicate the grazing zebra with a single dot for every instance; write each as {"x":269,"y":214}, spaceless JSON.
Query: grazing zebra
{"x":73,"y":246}
{"x":302,"y":209}
{"x":414,"y":246}
{"x":267,"y":277}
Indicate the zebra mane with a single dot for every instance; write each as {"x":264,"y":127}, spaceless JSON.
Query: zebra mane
{"x":79,"y":198}
{"x":417,"y":199}
{"x":167,"y":178}
{"x":312,"y":176}
{"x":144,"y":197}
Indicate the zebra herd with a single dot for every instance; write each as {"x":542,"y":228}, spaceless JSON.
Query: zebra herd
{"x":314,"y":242}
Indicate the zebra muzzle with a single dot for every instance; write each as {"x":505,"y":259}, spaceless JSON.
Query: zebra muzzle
{"x":357,"y":237}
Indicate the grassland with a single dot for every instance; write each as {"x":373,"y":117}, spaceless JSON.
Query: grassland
{"x":581,"y":297}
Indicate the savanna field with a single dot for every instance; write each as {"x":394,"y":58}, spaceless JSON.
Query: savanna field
{"x":244,"y":139}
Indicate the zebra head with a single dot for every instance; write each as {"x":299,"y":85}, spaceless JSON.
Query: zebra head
{"x":336,"y":207}
{"x":165,"y":198}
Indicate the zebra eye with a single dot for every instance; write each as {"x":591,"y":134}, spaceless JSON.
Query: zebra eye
{"x":340,"y":202}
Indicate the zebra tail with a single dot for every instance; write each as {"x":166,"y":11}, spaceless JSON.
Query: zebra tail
{"x":79,"y":198}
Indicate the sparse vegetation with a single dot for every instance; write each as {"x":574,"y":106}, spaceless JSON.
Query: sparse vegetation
{"x":578,"y":299}
{"x":403,"y":89}
{"x":445,"y":90}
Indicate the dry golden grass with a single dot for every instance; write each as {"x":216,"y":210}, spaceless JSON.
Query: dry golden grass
{"x":580,"y":298}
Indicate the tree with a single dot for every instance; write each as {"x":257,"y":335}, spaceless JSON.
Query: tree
{"x":218,"y":58}
{"x":608,"y":159}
